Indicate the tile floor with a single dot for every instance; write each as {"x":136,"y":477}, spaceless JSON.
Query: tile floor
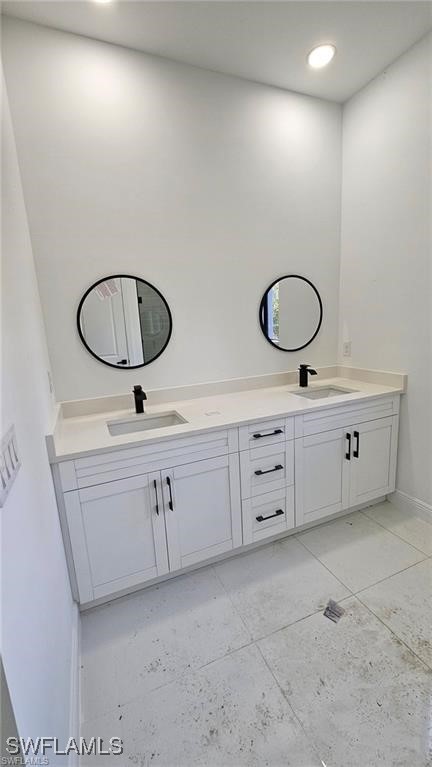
{"x":235,"y":664}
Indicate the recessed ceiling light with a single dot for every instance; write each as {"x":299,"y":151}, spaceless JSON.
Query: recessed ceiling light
{"x":321,"y":56}
{"x":102,"y":2}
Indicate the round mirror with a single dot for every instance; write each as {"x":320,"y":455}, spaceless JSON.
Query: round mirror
{"x":291,"y":313}
{"x":124,"y":321}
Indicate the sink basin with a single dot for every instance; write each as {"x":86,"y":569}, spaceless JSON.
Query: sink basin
{"x":323,"y":392}
{"x":144,"y":423}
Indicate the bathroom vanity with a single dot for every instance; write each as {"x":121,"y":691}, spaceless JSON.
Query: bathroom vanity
{"x":142,"y":497}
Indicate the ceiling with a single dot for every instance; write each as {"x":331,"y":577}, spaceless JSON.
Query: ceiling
{"x":262,"y":41}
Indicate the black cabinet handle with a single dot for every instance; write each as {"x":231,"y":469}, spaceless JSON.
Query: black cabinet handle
{"x":277,"y":513}
{"x":156,"y":495}
{"x":122,"y":362}
{"x":270,"y":434}
{"x":260,"y":472}
{"x":170,"y":503}
{"x":348,"y":453}
{"x":356,"y":451}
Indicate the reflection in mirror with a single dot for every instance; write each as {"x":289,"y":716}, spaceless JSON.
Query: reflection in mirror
{"x":124,"y":321}
{"x":291,"y":313}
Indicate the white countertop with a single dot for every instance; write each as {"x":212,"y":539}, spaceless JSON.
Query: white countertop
{"x":82,"y":435}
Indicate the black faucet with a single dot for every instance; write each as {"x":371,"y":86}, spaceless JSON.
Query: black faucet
{"x":140,"y":396}
{"x":304,"y":372}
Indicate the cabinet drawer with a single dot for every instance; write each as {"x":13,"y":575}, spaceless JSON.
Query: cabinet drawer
{"x":261,"y":433}
{"x":338,"y":416}
{"x":133,"y":461}
{"x":268,"y":514}
{"x":266,"y":469}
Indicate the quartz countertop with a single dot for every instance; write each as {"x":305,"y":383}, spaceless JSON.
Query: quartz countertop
{"x":82,"y":435}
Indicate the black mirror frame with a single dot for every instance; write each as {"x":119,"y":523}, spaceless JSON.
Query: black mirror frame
{"x":262,"y":311}
{"x":131,"y":277}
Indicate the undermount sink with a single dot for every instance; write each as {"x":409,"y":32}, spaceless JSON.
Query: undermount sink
{"x":144,"y":423}
{"x":324,"y":392}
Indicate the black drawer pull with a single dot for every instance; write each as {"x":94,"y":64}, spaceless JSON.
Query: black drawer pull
{"x":260,"y":472}
{"x":276,"y":514}
{"x":170,"y":502}
{"x":356,"y":451}
{"x":156,"y":495}
{"x":348,"y":453}
{"x":270,"y":434}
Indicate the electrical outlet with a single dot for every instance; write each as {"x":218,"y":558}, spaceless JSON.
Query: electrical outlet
{"x":346,"y":348}
{"x":9,"y":463}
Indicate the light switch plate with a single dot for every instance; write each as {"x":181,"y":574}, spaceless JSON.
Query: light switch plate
{"x":9,"y":463}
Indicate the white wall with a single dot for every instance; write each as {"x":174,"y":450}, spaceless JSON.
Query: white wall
{"x":386,"y":283}
{"x":206,"y":185}
{"x":37,"y":612}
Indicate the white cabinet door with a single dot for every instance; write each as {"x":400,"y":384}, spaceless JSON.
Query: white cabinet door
{"x":202,"y":510}
{"x":117,"y":535}
{"x":373,"y":460}
{"x":321,"y":475}
{"x":103,"y":324}
{"x":344,"y":467}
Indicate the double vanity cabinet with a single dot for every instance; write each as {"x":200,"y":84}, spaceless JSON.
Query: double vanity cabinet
{"x":136,"y":512}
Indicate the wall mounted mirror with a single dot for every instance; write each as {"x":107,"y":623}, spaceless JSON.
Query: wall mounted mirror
{"x":124,"y":321}
{"x":291,"y":313}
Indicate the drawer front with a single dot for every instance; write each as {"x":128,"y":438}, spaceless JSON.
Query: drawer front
{"x":266,"y":469}
{"x":341,"y":415}
{"x":263,"y":433}
{"x":268,"y":514}
{"x":131,"y":462}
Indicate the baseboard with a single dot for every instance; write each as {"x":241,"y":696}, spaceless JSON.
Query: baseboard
{"x":411,"y":505}
{"x":75,"y":692}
